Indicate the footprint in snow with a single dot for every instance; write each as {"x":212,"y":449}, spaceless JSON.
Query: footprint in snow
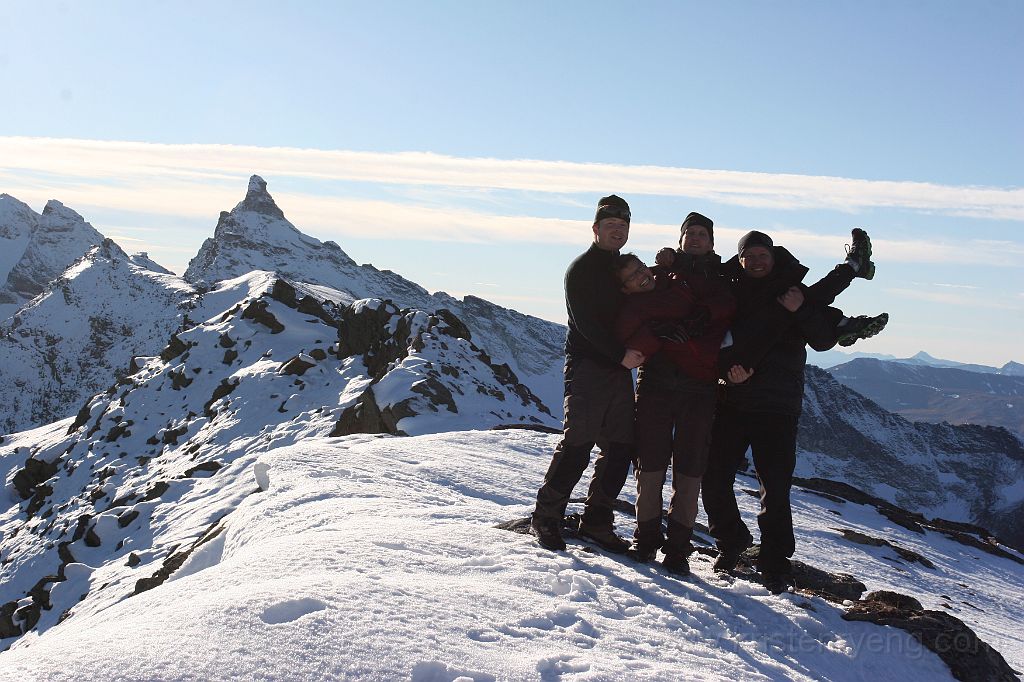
{"x":293,"y":609}
{"x":553,"y":667}
{"x":436,"y":671}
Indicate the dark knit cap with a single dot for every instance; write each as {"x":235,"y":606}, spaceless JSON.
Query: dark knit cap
{"x":754,"y":238}
{"x":612,"y":206}
{"x":697,"y":219}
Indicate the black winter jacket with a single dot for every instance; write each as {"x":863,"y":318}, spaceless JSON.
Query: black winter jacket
{"x":592,"y":299}
{"x":770,"y":339}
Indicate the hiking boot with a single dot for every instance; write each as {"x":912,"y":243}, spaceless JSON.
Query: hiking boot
{"x":861,"y":327}
{"x":642,"y":552}
{"x":676,"y":564}
{"x":548,"y":533}
{"x":858,"y":256}
{"x":729,"y":558}
{"x":605,"y":537}
{"x":777,"y":583}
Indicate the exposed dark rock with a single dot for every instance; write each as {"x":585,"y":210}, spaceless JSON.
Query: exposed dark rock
{"x":229,"y":356}
{"x":7,"y":625}
{"x":226,"y":341}
{"x":257,"y":312}
{"x":366,"y":417}
{"x":125,"y":519}
{"x":436,"y":392}
{"x":175,"y":561}
{"x":318,"y":354}
{"x":968,"y":657}
{"x":92,"y":539}
{"x":904,"y":553}
{"x":157,"y":490}
{"x":31,"y":475}
{"x":178,"y":379}
{"x":296,"y":366}
{"x":133,"y":560}
{"x":210,"y":466}
{"x":225,"y":387}
{"x":452,"y":325}
{"x":528,"y":427}
{"x":175,"y":347}
{"x":284,"y":292}
{"x":170,"y":436}
{"x":80,"y":419}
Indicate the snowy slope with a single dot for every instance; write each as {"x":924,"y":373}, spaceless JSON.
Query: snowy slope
{"x":57,"y":238}
{"x":963,"y":473}
{"x":79,"y":335}
{"x":255,"y":235}
{"x":17,"y":222}
{"x":377,"y":558}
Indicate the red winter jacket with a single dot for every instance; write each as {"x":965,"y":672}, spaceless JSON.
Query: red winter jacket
{"x":676,"y":296}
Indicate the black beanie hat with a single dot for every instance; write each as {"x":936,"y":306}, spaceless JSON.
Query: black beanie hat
{"x":695,"y":218}
{"x":754,"y":238}
{"x":612,"y":206}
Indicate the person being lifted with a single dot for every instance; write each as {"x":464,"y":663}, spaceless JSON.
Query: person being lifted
{"x":598,"y":392}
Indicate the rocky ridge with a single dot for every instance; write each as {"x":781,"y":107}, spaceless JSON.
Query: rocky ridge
{"x":103,"y":490}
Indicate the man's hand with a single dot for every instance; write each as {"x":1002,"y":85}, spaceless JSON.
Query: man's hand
{"x":632,"y":359}
{"x":665,"y":257}
{"x":738,"y":374}
{"x":792,"y":299}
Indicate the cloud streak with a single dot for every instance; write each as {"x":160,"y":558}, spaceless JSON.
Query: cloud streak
{"x":112,"y":162}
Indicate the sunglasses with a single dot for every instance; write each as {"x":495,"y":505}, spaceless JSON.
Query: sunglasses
{"x":612,"y":212}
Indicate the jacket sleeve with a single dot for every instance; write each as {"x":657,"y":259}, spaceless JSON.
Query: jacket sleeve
{"x":815,"y":328}
{"x":585,"y":309}
{"x":632,"y":331}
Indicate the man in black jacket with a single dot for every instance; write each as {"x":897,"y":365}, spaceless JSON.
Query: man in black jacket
{"x":763,"y":412}
{"x":598,"y":392}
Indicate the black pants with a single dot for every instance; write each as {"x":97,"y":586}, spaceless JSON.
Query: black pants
{"x":598,"y":411}
{"x":771,"y":438}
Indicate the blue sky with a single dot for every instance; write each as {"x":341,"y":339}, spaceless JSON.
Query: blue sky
{"x":464,"y":144}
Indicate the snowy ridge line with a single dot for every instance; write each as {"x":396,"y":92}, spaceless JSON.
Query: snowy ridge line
{"x":272,"y":368}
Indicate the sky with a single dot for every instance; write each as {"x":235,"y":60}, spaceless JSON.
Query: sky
{"x":465,"y":145}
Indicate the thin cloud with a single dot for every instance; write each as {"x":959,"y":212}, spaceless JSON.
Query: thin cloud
{"x":103,"y":160}
{"x":946,"y":298}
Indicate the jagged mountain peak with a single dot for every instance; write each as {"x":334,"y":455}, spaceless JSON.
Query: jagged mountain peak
{"x":55,"y":209}
{"x":258,"y":200}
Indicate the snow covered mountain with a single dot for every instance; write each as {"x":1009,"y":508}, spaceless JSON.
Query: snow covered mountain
{"x":255,"y":235}
{"x":972,"y":474}
{"x":79,"y":335}
{"x":938,"y":394}
{"x":38,"y":248}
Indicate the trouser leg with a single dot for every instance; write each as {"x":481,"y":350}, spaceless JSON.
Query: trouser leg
{"x":567,"y":466}
{"x":825,"y":290}
{"x":773,"y":448}
{"x":654,"y":450}
{"x":611,"y":468}
{"x":728,"y":446}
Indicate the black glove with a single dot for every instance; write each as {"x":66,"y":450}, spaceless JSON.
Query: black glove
{"x":670,"y":331}
{"x":697,"y":323}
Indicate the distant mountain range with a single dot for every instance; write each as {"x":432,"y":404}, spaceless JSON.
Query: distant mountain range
{"x":938,"y":394}
{"x":831,"y":358}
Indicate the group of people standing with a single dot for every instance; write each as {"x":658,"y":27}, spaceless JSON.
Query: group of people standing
{"x":720,"y":353}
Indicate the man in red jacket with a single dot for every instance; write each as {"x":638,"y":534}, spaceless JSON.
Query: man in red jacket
{"x":676,"y":390}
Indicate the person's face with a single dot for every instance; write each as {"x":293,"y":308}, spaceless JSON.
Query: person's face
{"x":636,"y":278}
{"x":610,"y":234}
{"x":757,"y":261}
{"x":696,"y":241}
